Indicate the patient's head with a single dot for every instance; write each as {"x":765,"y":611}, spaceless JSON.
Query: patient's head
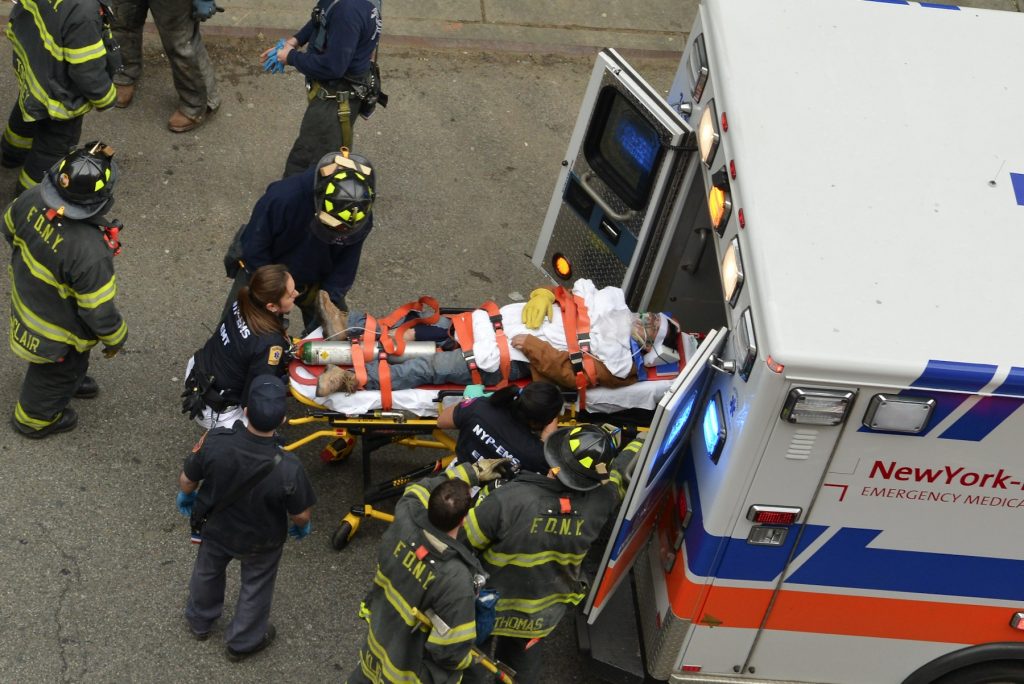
{"x":657,"y":335}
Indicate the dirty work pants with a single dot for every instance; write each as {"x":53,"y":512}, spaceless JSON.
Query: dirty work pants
{"x":319,"y":133}
{"x":191,"y":69}
{"x":48,"y":388}
{"x":255,"y":593}
{"x":37,"y":145}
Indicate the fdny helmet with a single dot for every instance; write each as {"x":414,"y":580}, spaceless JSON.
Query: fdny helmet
{"x":343,"y":190}
{"x":581,"y":455}
{"x":81,"y":184}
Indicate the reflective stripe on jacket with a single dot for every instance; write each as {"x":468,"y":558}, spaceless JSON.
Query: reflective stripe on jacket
{"x":61,"y":57}
{"x":62,"y":283}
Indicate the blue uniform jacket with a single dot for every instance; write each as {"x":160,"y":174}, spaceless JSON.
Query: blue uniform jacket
{"x":278,"y":233}
{"x":353,"y":29}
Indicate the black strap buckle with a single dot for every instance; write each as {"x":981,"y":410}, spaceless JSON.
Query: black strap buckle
{"x":576,"y":359}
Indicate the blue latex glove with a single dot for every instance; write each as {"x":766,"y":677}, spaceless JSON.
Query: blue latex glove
{"x":204,"y":9}
{"x":272,"y":65}
{"x":184,"y":502}
{"x":300,"y":533}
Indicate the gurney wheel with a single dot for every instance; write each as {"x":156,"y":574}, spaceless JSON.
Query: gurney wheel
{"x":339,"y":450}
{"x":342,"y":535}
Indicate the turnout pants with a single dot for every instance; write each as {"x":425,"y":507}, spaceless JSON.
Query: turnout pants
{"x":512,"y":652}
{"x":320,"y":130}
{"x":206,"y":593}
{"x":182,"y":42}
{"x":47,"y":390}
{"x":37,"y":145}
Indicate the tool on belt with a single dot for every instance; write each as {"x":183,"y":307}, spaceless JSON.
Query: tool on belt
{"x":430,"y":620}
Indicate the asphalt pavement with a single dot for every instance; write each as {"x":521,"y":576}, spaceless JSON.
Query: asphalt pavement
{"x":94,"y":558}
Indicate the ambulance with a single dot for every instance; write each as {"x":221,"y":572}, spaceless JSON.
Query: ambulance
{"x":833,"y":488}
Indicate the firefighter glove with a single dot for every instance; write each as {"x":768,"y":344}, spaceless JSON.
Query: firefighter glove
{"x":204,"y":9}
{"x":272,"y":65}
{"x":111,"y":352}
{"x":538,"y":308}
{"x":490,"y":469}
{"x":185,"y":500}
{"x":300,"y":533}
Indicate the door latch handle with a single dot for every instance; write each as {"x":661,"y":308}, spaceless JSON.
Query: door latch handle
{"x":722,"y":365}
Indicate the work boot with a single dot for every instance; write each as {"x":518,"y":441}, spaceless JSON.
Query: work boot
{"x":88,"y":389}
{"x":238,"y":656}
{"x":182,"y":123}
{"x":125,"y":93}
{"x":334,"y":319}
{"x":336,"y":379}
{"x":67,"y":421}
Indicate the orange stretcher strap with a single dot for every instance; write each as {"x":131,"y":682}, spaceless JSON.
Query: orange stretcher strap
{"x":505,"y":363}
{"x":463,"y":324}
{"x":576,"y":323}
{"x":363,"y":351}
{"x":394,"y":343}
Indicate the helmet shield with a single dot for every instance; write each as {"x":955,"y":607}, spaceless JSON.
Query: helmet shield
{"x":81,"y":184}
{"x":581,"y":454}
{"x":343,"y":191}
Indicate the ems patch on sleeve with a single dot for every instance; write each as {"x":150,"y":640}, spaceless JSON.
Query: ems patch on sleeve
{"x":274,"y":356}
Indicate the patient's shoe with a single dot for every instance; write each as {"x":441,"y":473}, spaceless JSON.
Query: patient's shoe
{"x":334,"y":319}
{"x":336,"y":379}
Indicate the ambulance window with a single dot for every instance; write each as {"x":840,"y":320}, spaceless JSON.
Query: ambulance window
{"x":713,"y":427}
{"x":676,"y":429}
{"x":623,"y":148}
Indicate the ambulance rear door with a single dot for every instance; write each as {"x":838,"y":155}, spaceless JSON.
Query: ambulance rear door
{"x":654,"y":472}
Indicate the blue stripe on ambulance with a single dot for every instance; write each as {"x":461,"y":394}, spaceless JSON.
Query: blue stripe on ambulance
{"x":989,"y":412}
{"x":845,"y":561}
{"x":928,"y":5}
{"x":1017,"y":180}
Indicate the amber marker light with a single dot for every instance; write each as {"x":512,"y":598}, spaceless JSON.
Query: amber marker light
{"x":562,"y":267}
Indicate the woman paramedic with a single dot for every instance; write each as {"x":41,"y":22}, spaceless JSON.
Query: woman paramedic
{"x":512,"y":423}
{"x":251,"y":340}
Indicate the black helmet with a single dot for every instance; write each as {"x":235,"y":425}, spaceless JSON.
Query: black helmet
{"x":81,"y":184}
{"x":343,"y":191}
{"x":581,"y":454}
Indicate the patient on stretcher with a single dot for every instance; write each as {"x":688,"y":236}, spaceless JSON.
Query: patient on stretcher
{"x":578,"y":338}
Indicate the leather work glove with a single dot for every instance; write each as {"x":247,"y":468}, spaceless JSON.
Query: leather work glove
{"x":300,"y":533}
{"x":204,"y":9}
{"x":490,"y":469}
{"x":272,"y":65}
{"x":184,"y":502}
{"x":111,"y":352}
{"x":538,"y":308}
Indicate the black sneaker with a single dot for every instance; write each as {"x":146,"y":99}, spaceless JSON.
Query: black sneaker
{"x":88,"y":389}
{"x":67,"y":421}
{"x":238,"y":656}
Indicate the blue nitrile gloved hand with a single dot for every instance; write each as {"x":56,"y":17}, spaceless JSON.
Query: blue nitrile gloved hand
{"x":272,"y":65}
{"x":204,"y":9}
{"x":300,"y":533}
{"x":184,"y":502}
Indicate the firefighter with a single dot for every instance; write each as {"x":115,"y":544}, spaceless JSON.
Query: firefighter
{"x":340,"y":39}
{"x":251,"y":340}
{"x":421,"y":564}
{"x":63,"y":286}
{"x":315,"y":224}
{"x":64,"y":59}
{"x":533,"y":533}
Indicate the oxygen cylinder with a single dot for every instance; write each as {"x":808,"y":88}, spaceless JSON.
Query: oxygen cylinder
{"x":339,"y":352}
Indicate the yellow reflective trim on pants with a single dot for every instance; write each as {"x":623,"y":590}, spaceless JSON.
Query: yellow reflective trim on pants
{"x":531,"y":560}
{"x":29,"y":421}
{"x":456,"y":635}
{"x":18,"y":141}
{"x":26,"y":181}
{"x":474,"y":535}
{"x":117,"y":337}
{"x":43,"y":327}
{"x":537,"y":605}
{"x":54,"y":108}
{"x":389,"y":669}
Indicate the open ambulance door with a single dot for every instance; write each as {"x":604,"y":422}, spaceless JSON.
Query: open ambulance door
{"x":655,"y":467}
{"x":612,"y":206}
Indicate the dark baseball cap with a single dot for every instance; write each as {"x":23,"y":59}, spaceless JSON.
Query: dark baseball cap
{"x":267,"y":402}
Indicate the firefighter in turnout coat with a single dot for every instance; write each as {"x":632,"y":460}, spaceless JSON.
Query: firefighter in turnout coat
{"x":421,"y":566}
{"x":63,"y":287}
{"x":533,"y":533}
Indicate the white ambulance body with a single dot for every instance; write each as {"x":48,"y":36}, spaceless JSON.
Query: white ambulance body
{"x":833,"y":490}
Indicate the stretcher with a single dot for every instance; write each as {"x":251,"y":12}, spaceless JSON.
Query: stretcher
{"x":411,"y":420}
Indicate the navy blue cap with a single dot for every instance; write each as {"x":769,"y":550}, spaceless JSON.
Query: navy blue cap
{"x":267,"y":402}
